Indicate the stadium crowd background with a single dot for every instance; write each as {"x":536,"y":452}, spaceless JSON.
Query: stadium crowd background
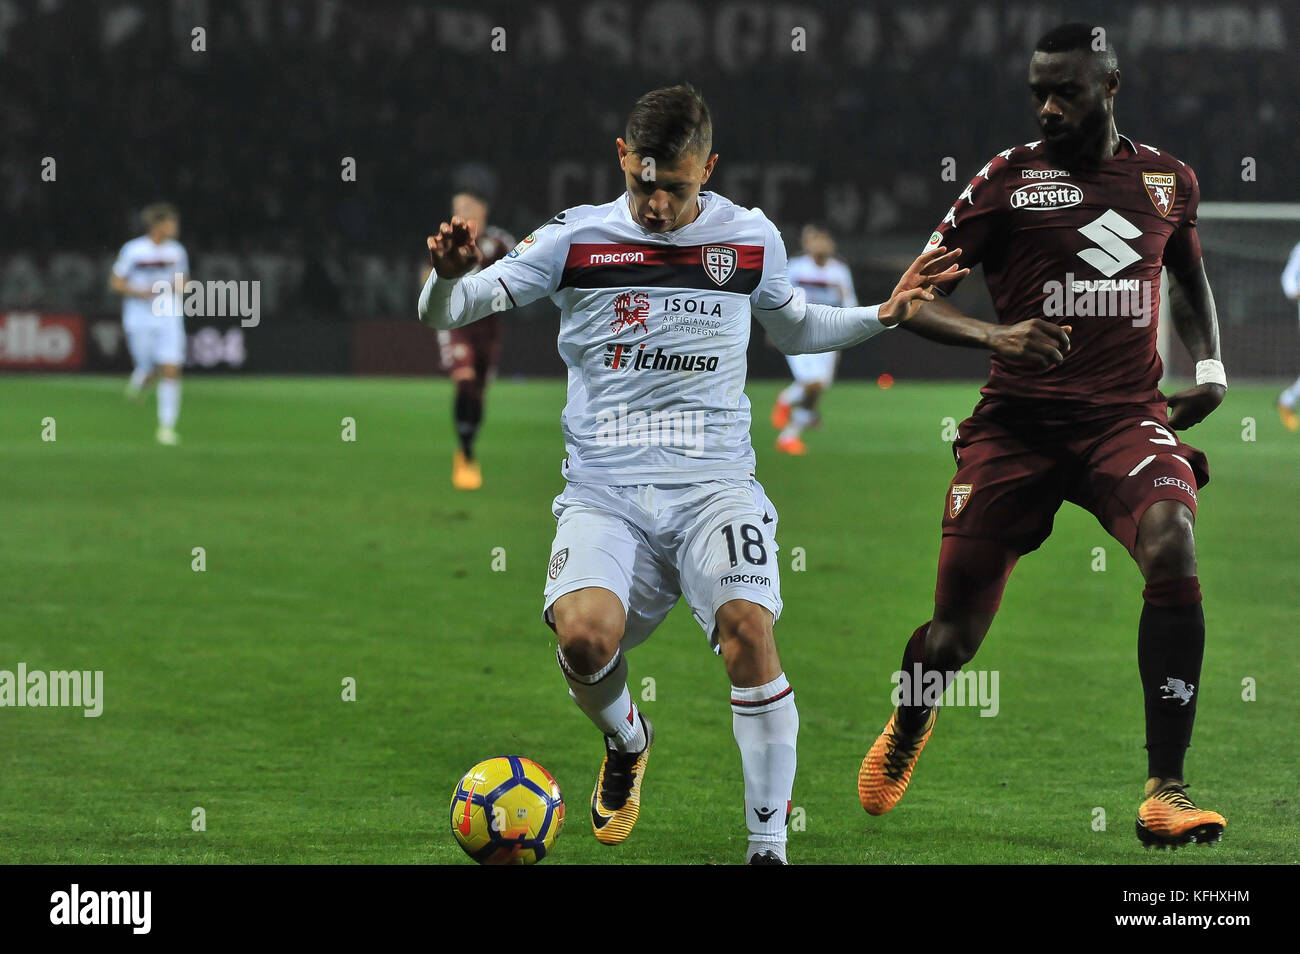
{"x":248,"y":137}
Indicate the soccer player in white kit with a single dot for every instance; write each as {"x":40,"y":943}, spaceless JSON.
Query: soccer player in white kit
{"x":151,"y":318}
{"x":655,"y":291}
{"x":827,"y":281}
{"x":1286,"y":403}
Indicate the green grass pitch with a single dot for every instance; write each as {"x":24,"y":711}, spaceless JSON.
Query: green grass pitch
{"x":328,"y":559}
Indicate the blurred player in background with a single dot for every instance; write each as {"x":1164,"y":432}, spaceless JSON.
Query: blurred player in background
{"x":1286,"y":404}
{"x":827,"y":281}
{"x":656,"y":290}
{"x":1073,"y":411}
{"x":469,"y":355}
{"x":152,"y":318}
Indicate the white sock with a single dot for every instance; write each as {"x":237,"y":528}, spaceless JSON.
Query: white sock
{"x":800,"y":419}
{"x":1291,"y":395}
{"x":604,"y":698}
{"x":766,"y":724}
{"x":169,"y":401}
{"x":139,"y":376}
{"x":792,"y":394}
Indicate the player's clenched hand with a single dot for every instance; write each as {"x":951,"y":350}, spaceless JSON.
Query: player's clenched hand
{"x":917,"y":284}
{"x":1037,"y":344}
{"x":454,"y":251}
{"x":1194,"y":405}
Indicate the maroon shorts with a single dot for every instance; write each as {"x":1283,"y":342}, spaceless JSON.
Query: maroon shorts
{"x":472,"y":352}
{"x":1016,"y":464}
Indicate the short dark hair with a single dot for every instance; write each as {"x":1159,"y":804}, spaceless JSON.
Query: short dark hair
{"x":157,"y":212}
{"x":1069,"y":37}
{"x":475,"y":179}
{"x":669,"y":123}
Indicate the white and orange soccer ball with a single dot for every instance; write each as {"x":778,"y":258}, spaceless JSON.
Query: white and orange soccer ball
{"x":507,"y":810}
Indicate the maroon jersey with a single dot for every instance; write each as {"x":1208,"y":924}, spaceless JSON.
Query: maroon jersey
{"x":471,"y":353}
{"x":495,"y":244}
{"x":1081,"y":248}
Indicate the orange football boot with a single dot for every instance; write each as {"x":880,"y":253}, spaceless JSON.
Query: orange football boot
{"x":887,"y":769}
{"x":780,"y":414}
{"x":465,"y":474}
{"x":1167,"y":818}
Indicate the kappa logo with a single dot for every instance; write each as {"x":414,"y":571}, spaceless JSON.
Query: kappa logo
{"x":1161,"y":187}
{"x":1044,"y":174}
{"x":1175,"y":482}
{"x":630,"y":310}
{"x":1177,"y":689}
{"x":557,"y":566}
{"x":960,"y":495}
{"x":719,"y":262}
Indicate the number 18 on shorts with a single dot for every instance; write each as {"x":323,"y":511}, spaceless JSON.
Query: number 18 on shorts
{"x":649,"y":545}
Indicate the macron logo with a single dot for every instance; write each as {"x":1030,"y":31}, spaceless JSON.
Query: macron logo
{"x":615,"y":258}
{"x":102,"y":907}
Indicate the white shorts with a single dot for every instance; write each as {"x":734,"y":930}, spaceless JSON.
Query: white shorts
{"x":158,"y":341}
{"x":710,"y":542}
{"x":813,"y":368}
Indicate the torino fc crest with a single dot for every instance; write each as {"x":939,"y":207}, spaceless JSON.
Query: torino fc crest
{"x":719,"y":262}
{"x":960,"y":494}
{"x":1161,"y":187}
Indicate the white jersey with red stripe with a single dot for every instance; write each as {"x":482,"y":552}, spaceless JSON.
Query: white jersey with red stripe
{"x":654,"y":330}
{"x":829,"y":284}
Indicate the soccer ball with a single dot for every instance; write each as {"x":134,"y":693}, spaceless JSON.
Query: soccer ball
{"x":507,"y":811}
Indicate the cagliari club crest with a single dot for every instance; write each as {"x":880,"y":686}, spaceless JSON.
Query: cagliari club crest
{"x":957,"y":502}
{"x":719,"y":262}
{"x":1160,"y":186}
{"x":557,"y":564}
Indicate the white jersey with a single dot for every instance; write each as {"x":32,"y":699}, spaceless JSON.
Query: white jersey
{"x":829,"y":284}
{"x":1291,"y":274}
{"x":142,"y":263}
{"x":654,"y":329}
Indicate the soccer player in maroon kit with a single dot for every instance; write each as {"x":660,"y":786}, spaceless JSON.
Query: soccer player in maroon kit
{"x":1068,"y":227}
{"x":470,"y":354}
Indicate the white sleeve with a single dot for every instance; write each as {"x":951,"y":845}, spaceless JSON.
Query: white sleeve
{"x":183,"y":262}
{"x":1291,"y":275}
{"x":125,"y":262}
{"x":803,"y":327}
{"x":530,"y":271}
{"x":850,"y":294}
{"x":796,"y":326}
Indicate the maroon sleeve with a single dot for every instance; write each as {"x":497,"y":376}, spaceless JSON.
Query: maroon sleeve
{"x":1183,"y":250}
{"x":975,"y":219}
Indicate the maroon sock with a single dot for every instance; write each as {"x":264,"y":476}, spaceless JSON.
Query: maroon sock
{"x":1171,"y":643}
{"x":912,"y":716}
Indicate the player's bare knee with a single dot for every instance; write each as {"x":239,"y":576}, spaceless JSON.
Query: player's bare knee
{"x":1166,"y":543}
{"x":746,"y":642}
{"x":588,"y":629}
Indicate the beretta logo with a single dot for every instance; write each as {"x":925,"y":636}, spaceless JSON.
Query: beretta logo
{"x":1046,"y":196}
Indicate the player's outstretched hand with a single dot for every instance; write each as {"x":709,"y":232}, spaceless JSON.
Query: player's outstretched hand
{"x":917,"y":284}
{"x":1193,"y":405}
{"x":454,"y":251}
{"x":1036,"y":344}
